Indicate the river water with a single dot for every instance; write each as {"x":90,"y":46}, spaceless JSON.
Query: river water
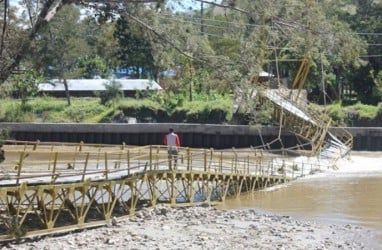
{"x":350,"y":195}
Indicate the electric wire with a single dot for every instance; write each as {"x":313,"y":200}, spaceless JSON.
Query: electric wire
{"x":179,"y":18}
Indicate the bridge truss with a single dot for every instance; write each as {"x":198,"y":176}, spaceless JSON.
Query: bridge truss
{"x":53,"y":187}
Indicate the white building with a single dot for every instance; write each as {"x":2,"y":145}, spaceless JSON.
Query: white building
{"x":88,"y":87}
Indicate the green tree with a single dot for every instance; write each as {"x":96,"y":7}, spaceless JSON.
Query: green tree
{"x":92,"y":66}
{"x":134,"y":51}
{"x":365,"y":20}
{"x":16,"y":39}
{"x":38,"y":14}
{"x":25,"y":86}
{"x":60,"y":47}
{"x":112,"y":93}
{"x":101,"y":40}
{"x":12,"y":36}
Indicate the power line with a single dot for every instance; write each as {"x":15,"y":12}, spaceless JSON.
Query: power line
{"x":205,"y":25}
{"x":221,"y":27}
{"x":269,"y":47}
{"x":197,"y":21}
{"x":214,"y":20}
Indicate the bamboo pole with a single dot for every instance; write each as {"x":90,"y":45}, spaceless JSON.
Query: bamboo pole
{"x":85,"y":167}
{"x":19,"y":166}
{"x":151,"y":157}
{"x":205,"y":160}
{"x":54,"y":177}
{"x":106,"y":167}
{"x":188,"y":159}
{"x":128,"y":161}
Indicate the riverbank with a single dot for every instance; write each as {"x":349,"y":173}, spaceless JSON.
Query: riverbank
{"x":206,"y":227}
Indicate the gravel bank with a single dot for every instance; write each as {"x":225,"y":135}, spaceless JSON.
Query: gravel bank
{"x":206,"y":227}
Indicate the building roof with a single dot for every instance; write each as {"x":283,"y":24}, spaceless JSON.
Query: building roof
{"x":265,"y":74}
{"x":99,"y":84}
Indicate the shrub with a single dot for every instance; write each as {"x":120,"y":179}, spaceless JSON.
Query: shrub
{"x":14,"y":112}
{"x":112,"y":93}
{"x":47,"y":104}
{"x":336,"y":112}
{"x":216,"y":111}
{"x":83,"y":108}
{"x":143,"y":110}
{"x":362,"y":115}
{"x":364,"y":111}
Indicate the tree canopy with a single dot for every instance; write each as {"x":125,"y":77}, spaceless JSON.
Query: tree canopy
{"x":221,"y":45}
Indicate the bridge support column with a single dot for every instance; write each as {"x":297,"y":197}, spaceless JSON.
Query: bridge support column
{"x":173,"y":191}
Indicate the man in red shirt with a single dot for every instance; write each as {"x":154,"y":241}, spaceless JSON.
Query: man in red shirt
{"x":173,"y":143}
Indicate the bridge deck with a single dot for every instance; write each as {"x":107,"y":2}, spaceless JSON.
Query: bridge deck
{"x":49,"y":188}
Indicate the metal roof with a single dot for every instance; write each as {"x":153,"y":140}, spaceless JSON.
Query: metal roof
{"x":265,"y":74}
{"x":99,"y":84}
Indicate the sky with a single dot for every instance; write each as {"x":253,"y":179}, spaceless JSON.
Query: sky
{"x":187,"y":5}
{"x":182,"y":5}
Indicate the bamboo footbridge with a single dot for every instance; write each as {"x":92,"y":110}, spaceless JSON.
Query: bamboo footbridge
{"x":47,"y":188}
{"x":56,"y":187}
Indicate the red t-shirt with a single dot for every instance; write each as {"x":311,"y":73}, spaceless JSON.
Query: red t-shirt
{"x":172,"y":139}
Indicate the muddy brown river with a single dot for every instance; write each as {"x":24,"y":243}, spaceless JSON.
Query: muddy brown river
{"x":350,"y":195}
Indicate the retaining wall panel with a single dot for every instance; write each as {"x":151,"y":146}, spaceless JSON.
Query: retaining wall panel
{"x":192,"y":135}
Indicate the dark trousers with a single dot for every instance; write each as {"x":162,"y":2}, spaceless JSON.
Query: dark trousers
{"x":172,"y":155}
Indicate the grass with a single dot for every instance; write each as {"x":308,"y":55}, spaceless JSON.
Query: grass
{"x":48,"y":109}
{"x":364,"y":111}
{"x":90,"y":110}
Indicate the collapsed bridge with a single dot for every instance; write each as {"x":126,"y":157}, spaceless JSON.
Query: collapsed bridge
{"x":50,"y":187}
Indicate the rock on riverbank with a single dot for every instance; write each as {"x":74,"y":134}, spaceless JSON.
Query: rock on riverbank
{"x":205,"y":227}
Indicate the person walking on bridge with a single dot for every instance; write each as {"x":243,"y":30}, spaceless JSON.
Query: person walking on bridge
{"x":173,"y":143}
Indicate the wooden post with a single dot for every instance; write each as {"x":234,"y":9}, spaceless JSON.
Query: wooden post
{"x":205,"y":160}
{"x":188,"y":160}
{"x":35,"y":145}
{"x":85,"y":167}
{"x":128,"y":161}
{"x":257,"y":164}
{"x":311,"y":168}
{"x":173,"y":190}
{"x":151,"y":157}
{"x":19,"y":166}
{"x":293,"y":170}
{"x":118,"y":163}
{"x":221,"y":162}
{"x":54,"y":177}
{"x":234,"y":151}
{"x":98,"y":156}
{"x":106,"y":168}
{"x":271,"y":169}
{"x":157,"y":158}
{"x":80,"y":148}
{"x":248,"y":164}
{"x":211,"y":153}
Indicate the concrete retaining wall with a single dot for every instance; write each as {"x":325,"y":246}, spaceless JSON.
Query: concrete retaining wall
{"x":192,"y":135}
